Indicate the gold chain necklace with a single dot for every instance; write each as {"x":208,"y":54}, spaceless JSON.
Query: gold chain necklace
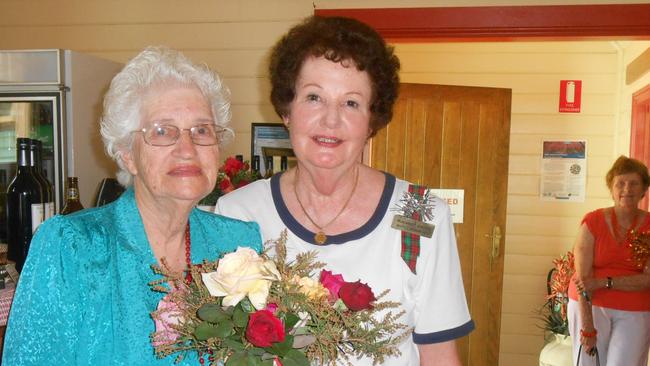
{"x":320,"y":237}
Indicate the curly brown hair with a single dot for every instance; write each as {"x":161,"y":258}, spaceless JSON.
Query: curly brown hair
{"x":625,"y":165}
{"x":337,"y":39}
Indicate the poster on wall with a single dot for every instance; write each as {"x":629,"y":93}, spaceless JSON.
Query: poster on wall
{"x":564,"y":171}
{"x":455,"y":198}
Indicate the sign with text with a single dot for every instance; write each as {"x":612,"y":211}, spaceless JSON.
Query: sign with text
{"x":570,"y":96}
{"x":455,"y":198}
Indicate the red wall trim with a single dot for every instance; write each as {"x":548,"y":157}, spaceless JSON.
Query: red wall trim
{"x":627,"y":21}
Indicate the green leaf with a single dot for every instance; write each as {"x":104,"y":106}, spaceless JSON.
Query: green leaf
{"x":240,"y":318}
{"x":254,"y":360}
{"x":281,"y":348}
{"x":205,"y":331}
{"x":211,"y":312}
{"x":294,"y":358}
{"x":233,"y":344}
{"x":290,"y":320}
{"x":225,"y":328}
{"x":237,"y":359}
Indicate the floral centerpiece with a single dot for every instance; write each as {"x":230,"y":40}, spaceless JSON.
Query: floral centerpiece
{"x":250,"y":309}
{"x":554,"y":311}
{"x":233,"y":174}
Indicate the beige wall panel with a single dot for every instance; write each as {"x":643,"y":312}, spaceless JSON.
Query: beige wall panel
{"x":523,"y":284}
{"x":522,"y":344}
{"x":517,"y":63}
{"x":533,"y":225}
{"x":531,"y":264}
{"x":524,"y":304}
{"x":516,"y":359}
{"x":244,"y":115}
{"x":565,"y":123}
{"x":92,"y":38}
{"x":544,"y":245}
{"x":524,"y":324}
{"x":519,"y":83}
{"x":150,"y":11}
{"x":249,"y":90}
{"x":530,"y":164}
{"x":518,"y":204}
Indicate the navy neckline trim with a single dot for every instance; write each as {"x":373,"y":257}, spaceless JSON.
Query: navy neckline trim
{"x":356,"y":234}
{"x":445,"y":335}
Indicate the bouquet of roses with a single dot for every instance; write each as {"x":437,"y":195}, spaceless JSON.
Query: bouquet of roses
{"x":232,"y":174}
{"x":250,"y":309}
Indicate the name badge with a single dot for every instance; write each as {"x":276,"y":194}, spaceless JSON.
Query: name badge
{"x":412,"y":226}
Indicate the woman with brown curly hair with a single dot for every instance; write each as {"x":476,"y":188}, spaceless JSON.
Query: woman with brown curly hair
{"x":334,"y":83}
{"x":609,"y":306}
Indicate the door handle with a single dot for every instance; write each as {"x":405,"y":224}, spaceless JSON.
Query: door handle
{"x":496,"y":244}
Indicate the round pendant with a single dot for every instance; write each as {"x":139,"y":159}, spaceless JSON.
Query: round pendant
{"x":320,"y":237}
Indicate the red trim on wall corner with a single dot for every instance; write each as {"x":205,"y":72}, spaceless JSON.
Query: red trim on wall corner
{"x":640,"y":131}
{"x":490,"y":23}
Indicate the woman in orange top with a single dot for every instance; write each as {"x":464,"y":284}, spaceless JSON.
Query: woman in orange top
{"x":609,"y":306}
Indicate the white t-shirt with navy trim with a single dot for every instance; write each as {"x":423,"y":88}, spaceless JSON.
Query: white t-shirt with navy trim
{"x":433,"y":299}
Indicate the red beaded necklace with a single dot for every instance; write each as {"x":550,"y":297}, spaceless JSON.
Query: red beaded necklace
{"x":188,"y":252}
{"x":627,"y":231}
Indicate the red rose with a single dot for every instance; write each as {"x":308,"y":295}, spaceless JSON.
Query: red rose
{"x":232,"y":166}
{"x":225,"y":185}
{"x":264,"y":329}
{"x":356,"y":295}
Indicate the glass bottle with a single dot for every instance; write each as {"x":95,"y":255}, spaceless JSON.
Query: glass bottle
{"x":35,"y":149}
{"x":72,"y":202}
{"x":256,"y":167}
{"x":24,"y":206}
{"x":284,"y":163}
{"x":269,"y":167}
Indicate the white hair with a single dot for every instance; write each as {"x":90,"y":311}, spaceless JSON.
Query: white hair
{"x":152,"y":67}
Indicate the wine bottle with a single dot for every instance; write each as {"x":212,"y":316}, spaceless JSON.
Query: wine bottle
{"x":72,"y":203}
{"x":24,"y":206}
{"x":284,"y":163}
{"x":36,"y":148}
{"x":269,"y":167}
{"x":256,"y":167}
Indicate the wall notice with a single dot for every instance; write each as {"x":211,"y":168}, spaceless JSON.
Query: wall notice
{"x":564,"y":171}
{"x":455,"y":198}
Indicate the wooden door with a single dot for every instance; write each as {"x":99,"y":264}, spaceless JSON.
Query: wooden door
{"x":457,"y":137}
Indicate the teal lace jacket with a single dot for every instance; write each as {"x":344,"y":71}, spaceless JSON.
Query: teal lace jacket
{"x":83,"y":296}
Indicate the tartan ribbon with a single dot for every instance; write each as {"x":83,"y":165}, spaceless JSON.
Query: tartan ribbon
{"x":411,"y":242}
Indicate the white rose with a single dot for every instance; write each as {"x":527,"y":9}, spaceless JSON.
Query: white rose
{"x":239,"y":274}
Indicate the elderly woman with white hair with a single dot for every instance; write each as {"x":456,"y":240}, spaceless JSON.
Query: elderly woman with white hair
{"x":84,"y":296}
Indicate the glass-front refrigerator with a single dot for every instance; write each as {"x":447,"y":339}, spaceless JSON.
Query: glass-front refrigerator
{"x":54,"y":96}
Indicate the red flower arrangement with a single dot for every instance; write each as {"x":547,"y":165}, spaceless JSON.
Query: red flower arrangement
{"x":256,"y":309}
{"x":233,"y":174}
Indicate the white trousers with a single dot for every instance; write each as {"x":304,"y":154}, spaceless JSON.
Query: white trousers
{"x":623,"y":336}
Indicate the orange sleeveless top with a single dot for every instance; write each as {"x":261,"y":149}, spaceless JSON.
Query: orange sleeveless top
{"x":612,"y":259}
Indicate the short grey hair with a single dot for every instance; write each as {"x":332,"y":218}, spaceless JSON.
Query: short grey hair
{"x":152,"y":67}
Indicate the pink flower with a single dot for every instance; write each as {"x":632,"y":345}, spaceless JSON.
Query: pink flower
{"x":272,"y":307}
{"x":332,"y":282}
{"x":168,"y":315}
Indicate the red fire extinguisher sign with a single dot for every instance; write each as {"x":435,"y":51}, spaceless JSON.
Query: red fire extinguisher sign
{"x":570,"y":95}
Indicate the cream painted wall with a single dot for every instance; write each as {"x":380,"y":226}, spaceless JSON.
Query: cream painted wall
{"x":234,"y":37}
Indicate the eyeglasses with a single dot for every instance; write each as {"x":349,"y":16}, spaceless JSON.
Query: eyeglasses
{"x":207,"y":134}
